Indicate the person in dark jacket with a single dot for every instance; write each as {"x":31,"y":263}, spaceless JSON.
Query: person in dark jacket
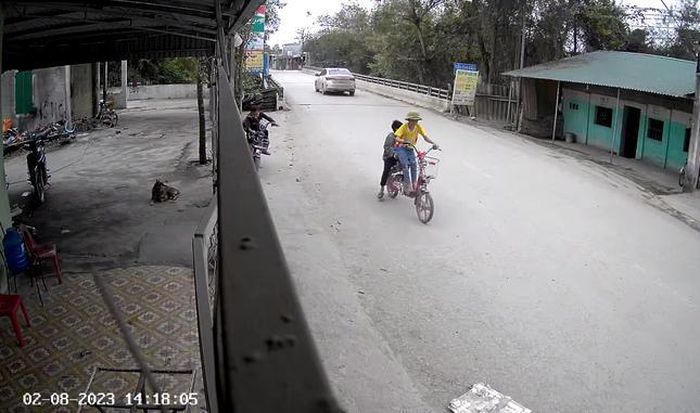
{"x":251,"y":124}
{"x":389,"y":156}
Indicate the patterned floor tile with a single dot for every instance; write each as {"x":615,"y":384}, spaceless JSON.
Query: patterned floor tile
{"x":74,"y":332}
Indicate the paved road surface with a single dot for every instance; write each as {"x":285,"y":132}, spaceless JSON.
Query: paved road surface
{"x":545,"y":276}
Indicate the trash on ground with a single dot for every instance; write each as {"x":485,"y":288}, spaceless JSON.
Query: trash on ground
{"x":481,"y":398}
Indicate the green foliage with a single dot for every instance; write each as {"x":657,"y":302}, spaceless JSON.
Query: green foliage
{"x":162,"y":71}
{"x":419,"y":40}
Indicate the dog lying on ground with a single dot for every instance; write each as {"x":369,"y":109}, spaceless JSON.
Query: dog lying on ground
{"x":162,"y":192}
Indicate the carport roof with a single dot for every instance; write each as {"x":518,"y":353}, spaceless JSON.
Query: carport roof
{"x":43,"y":34}
{"x":634,"y":71}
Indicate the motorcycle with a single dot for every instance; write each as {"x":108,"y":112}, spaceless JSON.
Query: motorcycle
{"x":259,"y":141}
{"x":422,"y":200}
{"x":36,"y":167}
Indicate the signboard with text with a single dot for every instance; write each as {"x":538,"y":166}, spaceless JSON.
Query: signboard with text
{"x":466,"y":81}
{"x":254,"y":59}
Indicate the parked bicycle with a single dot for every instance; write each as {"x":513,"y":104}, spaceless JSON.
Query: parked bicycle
{"x":423,"y":201}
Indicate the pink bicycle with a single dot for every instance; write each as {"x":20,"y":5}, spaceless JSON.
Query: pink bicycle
{"x":427,"y":171}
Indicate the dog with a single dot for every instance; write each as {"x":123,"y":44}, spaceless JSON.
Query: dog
{"x":162,"y":192}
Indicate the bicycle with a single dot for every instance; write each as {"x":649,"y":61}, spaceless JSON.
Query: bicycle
{"x":107,"y":116}
{"x":423,"y":201}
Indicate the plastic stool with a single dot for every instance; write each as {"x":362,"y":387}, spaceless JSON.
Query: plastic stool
{"x":8,"y":307}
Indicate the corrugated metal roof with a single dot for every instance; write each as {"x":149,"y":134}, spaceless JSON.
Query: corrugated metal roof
{"x":634,"y":71}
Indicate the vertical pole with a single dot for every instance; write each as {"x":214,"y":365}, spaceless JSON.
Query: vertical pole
{"x":95,"y":95}
{"x":691,"y":170}
{"x":520,"y":106}
{"x":510,"y":95}
{"x":615,"y":122}
{"x":104,"y":84}
{"x":5,"y":218}
{"x":556,"y":113}
{"x":125,"y":90}
{"x":69,"y":106}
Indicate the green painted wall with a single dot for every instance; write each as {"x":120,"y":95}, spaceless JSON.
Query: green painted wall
{"x":576,"y":118}
{"x":601,"y":136}
{"x":668,"y":153}
{"x":676,"y":157}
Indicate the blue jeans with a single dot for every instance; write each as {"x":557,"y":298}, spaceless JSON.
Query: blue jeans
{"x":407,"y":157}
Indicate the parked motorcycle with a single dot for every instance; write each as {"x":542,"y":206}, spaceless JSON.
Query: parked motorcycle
{"x":36,"y":167}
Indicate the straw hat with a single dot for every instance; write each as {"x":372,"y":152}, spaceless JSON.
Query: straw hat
{"x":413,"y":116}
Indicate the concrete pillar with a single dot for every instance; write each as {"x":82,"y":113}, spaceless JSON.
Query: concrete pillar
{"x":124,"y":95}
{"x":693,"y":166}
{"x":69,"y":103}
{"x":105,"y":82}
{"x":5,"y":216}
{"x":95,"y":88}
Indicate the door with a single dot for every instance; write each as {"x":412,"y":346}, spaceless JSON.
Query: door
{"x":630,"y":131}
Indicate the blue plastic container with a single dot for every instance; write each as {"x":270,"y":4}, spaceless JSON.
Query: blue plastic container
{"x":15,"y":252}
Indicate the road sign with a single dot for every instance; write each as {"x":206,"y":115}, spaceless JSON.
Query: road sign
{"x":254,"y":61}
{"x":472,"y":67}
{"x":465,"y":87}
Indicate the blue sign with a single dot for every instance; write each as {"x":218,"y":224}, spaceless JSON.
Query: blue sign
{"x":472,"y":67}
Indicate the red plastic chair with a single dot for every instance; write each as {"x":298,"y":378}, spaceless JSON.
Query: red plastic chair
{"x":42,"y":252}
{"x":8,"y":308}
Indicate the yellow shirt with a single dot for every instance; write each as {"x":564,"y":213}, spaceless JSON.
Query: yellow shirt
{"x":407,"y":135}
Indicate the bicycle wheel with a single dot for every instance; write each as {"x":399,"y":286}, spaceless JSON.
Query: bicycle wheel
{"x":392,"y":188}
{"x":681,"y":177}
{"x":425,"y":207}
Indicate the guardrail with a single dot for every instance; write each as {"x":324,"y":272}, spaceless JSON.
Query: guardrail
{"x":265,"y":356}
{"x":398,"y":84}
{"x":205,"y":250}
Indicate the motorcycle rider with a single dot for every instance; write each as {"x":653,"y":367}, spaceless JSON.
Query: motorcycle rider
{"x":408,"y":134}
{"x":389,"y":156}
{"x":251,"y":124}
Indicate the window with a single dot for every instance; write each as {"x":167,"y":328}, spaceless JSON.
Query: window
{"x":686,"y":141}
{"x":603,"y":116}
{"x":573,"y":106}
{"x":339,"y":72}
{"x":655,"y":130}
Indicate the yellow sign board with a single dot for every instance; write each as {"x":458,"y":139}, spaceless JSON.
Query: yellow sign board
{"x":254,"y":60}
{"x":465,"y":87}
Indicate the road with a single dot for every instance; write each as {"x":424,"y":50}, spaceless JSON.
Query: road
{"x":545,"y":276}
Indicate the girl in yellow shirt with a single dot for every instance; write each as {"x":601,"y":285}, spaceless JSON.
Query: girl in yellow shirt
{"x":406,"y":140}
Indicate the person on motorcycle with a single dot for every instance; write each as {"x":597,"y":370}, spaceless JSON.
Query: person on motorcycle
{"x":406,"y":136}
{"x":251,"y":124}
{"x":389,"y":156}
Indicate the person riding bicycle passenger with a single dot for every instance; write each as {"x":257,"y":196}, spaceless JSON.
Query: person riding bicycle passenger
{"x":389,"y":156}
{"x":406,"y":136}
{"x":251,"y":124}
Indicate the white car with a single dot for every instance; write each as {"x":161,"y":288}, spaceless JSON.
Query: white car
{"x":335,"y":80}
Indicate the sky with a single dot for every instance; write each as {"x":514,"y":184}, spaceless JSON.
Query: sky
{"x":304,"y":13}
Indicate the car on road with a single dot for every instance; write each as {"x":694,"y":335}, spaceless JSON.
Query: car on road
{"x":333,"y":79}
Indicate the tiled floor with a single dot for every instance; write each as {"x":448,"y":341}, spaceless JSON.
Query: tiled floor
{"x":74,"y":332}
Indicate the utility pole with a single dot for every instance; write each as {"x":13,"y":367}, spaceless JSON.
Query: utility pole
{"x":519,"y":110}
{"x":693,"y":166}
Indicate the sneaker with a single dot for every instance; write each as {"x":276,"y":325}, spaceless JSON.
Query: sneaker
{"x":380,"y":195}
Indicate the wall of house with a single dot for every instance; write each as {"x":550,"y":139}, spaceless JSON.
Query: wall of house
{"x":8,"y":95}
{"x":48,"y":96}
{"x":579,"y":112}
{"x":82,"y":91}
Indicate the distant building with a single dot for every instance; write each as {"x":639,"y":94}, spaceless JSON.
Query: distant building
{"x":651,"y":121}
{"x":290,"y":58}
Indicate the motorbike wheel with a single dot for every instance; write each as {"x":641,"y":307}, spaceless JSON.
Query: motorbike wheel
{"x":39,"y":186}
{"x":681,"y":177}
{"x":115,"y":119}
{"x":425,"y":207}
{"x":256,"y":161}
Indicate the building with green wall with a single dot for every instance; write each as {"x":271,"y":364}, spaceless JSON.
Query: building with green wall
{"x":636,"y":105}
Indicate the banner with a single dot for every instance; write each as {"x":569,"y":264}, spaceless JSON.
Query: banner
{"x":254,"y":58}
{"x":254,"y":61}
{"x":465,"y":85}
